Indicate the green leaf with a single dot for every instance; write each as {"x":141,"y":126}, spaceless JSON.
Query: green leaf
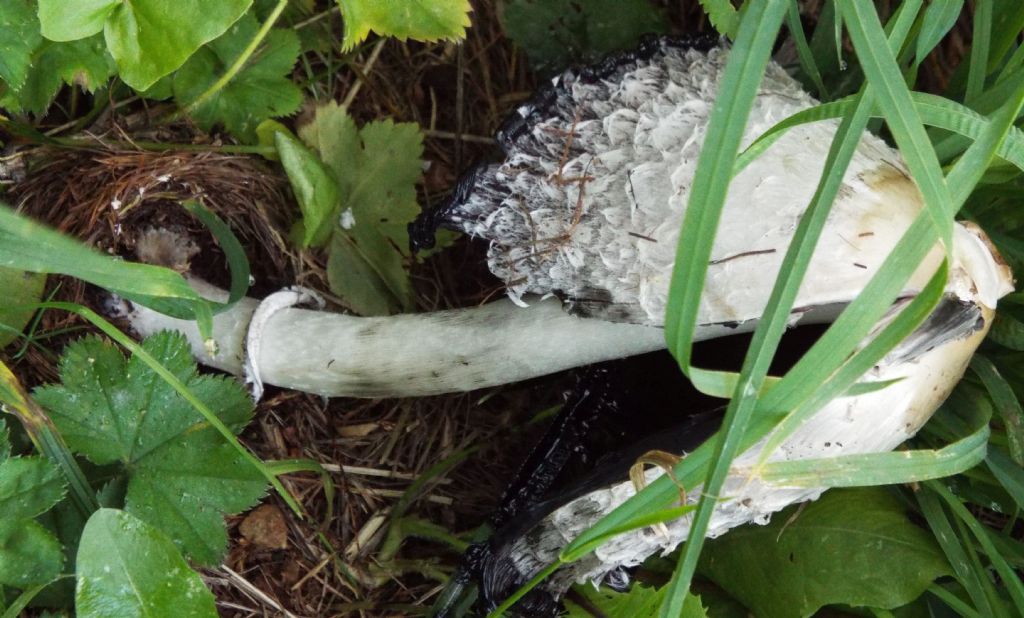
{"x":148,"y":38}
{"x":84,"y":63}
{"x":314,"y":187}
{"x":19,"y":35}
{"x":639,"y":602}
{"x":359,"y":267}
{"x":557,"y":33}
{"x":29,"y":554}
{"x":18,"y":291}
{"x":129,"y":568}
{"x":723,"y":16}
{"x":259,"y":91}
{"x":376,"y":169}
{"x":28,"y":486}
{"x":423,"y":20}
{"x":70,"y":21}
{"x":855,"y":547}
{"x":182,"y":476}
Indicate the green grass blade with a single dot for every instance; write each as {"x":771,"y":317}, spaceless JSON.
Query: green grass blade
{"x":27,"y":245}
{"x":956,"y":554}
{"x":954,"y":602}
{"x":1009,"y":474}
{"x":939,"y":18}
{"x":1006,"y":403}
{"x":980,"y":43}
{"x":881,"y":468}
{"x":882,"y":72}
{"x":803,"y":50}
{"x":1011,"y":580}
{"x":747,"y":61}
{"x":742,"y":76}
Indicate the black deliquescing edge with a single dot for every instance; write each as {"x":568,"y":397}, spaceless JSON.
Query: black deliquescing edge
{"x":516,"y":125}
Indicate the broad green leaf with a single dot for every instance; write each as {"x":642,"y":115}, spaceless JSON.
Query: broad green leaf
{"x":359,"y":267}
{"x":557,"y":33}
{"x":182,"y":476}
{"x":29,"y":554}
{"x":314,"y":187}
{"x":18,"y":291}
{"x":128,"y":568}
{"x":70,"y":21}
{"x":147,"y":38}
{"x":640,"y":602}
{"x":376,"y":169}
{"x":855,"y":547}
{"x":19,"y":36}
{"x":259,"y":91}
{"x":423,"y":20}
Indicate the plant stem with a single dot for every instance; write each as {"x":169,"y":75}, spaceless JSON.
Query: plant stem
{"x":233,"y":70}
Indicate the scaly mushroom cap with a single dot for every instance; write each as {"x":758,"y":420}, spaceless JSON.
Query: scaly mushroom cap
{"x":590,"y":198}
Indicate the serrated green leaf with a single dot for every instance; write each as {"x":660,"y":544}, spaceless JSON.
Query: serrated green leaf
{"x":314,"y":187}
{"x":28,"y":486}
{"x":376,"y":169}
{"x":129,"y":568}
{"x":147,"y":38}
{"x":639,"y":602}
{"x":855,"y":547}
{"x":84,"y":63}
{"x":259,"y":91}
{"x":423,"y":20}
{"x":117,"y":411}
{"x":557,"y":33}
{"x":722,"y":15}
{"x":18,"y":291}
{"x":19,"y":36}
{"x":29,"y":554}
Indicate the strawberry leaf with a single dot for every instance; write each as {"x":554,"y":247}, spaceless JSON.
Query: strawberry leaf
{"x":182,"y":477}
{"x":259,"y":91}
{"x":423,"y":20}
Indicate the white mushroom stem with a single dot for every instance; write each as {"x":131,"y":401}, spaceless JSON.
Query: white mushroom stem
{"x":334,"y":355}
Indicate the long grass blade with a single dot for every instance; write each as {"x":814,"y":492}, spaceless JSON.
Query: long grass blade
{"x":748,"y":59}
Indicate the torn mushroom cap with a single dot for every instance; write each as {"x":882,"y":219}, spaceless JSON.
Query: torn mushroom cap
{"x":925,"y":367}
